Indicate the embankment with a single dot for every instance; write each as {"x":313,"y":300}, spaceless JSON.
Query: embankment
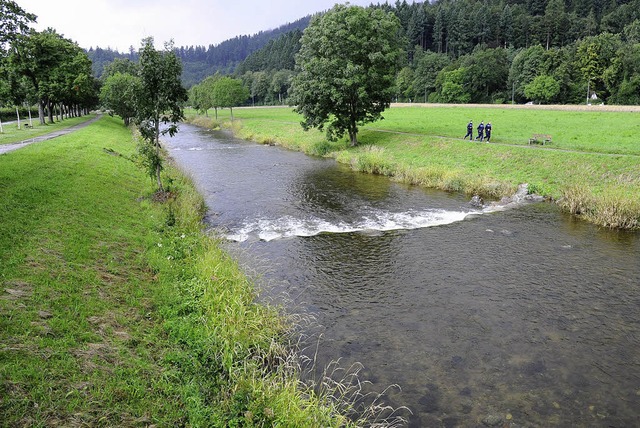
{"x":117,"y":310}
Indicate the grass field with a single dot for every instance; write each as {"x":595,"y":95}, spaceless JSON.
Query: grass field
{"x":11,"y":133}
{"x":591,"y":168}
{"x":117,"y":310}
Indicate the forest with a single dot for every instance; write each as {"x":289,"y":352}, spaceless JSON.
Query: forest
{"x":456,"y":51}
{"x":491,"y":51}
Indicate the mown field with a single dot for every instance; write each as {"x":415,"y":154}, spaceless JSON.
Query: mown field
{"x":11,"y":133}
{"x":117,"y":310}
{"x":591,"y":168}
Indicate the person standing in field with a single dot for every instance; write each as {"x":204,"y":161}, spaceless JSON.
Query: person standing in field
{"x":469,"y":131}
{"x":487,"y":132}
{"x":480,"y":131}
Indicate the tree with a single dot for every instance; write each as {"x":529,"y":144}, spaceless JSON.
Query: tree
{"x":346,"y":69}
{"x":487,"y":73}
{"x":593,"y":56}
{"x":554,"y":22}
{"x":14,"y":21}
{"x":452,"y":88}
{"x":280,"y":83}
{"x":543,"y":88}
{"x":118,"y":93}
{"x":229,"y":92}
{"x":119,"y":65}
{"x":427,"y":69}
{"x":54,"y":66}
{"x":404,"y":84}
{"x":159,"y":100}
{"x":260,"y":86}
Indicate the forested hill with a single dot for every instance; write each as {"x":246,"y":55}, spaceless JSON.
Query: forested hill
{"x":199,"y":61}
{"x":461,"y":51}
{"x":477,"y":51}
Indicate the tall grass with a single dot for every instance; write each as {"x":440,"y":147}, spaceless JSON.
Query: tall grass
{"x":117,"y":310}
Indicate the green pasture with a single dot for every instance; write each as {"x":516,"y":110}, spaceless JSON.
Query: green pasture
{"x":117,"y":310}
{"x":591,"y":168}
{"x":11,"y":133}
{"x":591,"y":131}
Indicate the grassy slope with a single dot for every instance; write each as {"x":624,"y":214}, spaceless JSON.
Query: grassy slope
{"x":118,"y":311}
{"x":11,"y":133}
{"x":592,"y":167}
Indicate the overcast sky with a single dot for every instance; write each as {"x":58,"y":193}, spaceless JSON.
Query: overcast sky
{"x":119,"y":24}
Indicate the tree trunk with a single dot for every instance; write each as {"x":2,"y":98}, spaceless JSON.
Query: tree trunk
{"x":231,"y":108}
{"x":41,"y":111}
{"x":50,"y":111}
{"x":157,"y":142}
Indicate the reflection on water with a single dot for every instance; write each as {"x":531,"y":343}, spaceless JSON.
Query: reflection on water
{"x":515,"y":318}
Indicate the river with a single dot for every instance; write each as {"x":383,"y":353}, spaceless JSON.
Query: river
{"x":519,"y":318}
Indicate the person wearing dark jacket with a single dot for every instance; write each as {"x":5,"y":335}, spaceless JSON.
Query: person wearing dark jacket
{"x":469,"y":131}
{"x":480,"y":131}
{"x":487,"y":132}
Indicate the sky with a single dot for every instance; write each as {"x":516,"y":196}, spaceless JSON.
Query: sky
{"x":119,"y":24}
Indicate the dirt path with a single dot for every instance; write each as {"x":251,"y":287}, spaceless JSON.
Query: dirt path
{"x":583,"y":107}
{"x":522,"y":146}
{"x":5,"y":148}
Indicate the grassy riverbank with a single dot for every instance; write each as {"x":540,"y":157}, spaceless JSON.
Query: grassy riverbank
{"x":591,"y":169}
{"x":116,"y":310}
{"x":11,"y":133}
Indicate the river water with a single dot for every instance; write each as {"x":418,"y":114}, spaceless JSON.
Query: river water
{"x":518,"y":318}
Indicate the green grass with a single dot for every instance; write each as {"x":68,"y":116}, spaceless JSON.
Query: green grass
{"x":11,"y":133}
{"x":117,"y":310}
{"x":593,"y":162}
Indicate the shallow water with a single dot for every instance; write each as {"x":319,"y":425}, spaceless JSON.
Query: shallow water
{"x":522,"y":317}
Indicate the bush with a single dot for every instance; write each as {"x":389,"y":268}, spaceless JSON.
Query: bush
{"x":9,"y":113}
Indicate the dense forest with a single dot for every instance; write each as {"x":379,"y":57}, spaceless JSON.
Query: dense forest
{"x":458,"y":51}
{"x":495,"y":51}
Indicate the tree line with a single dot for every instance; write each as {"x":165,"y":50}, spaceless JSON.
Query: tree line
{"x":493,"y":51}
{"x":42,"y":68}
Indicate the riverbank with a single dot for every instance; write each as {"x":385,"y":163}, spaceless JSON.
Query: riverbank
{"x":591,"y":169}
{"x":117,"y":310}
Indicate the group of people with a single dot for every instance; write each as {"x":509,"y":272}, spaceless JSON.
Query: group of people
{"x":484,"y":131}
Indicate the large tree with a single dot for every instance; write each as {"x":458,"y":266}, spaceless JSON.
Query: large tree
{"x":229,"y":92}
{"x":118,"y":93}
{"x":159,"y":100}
{"x":346,"y":69}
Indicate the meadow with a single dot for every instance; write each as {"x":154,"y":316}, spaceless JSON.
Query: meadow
{"x":591,"y":168}
{"x":11,"y":133}
{"x":116,"y":309}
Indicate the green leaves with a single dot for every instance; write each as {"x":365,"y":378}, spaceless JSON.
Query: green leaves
{"x":158,"y":100}
{"x":346,"y":69}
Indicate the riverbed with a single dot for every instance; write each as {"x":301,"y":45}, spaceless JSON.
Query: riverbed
{"x":522,"y":317}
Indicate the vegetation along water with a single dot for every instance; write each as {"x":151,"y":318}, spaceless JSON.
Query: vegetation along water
{"x":593,"y":174}
{"x":116,"y":310}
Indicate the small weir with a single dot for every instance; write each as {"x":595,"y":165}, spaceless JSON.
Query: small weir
{"x":507,"y":315}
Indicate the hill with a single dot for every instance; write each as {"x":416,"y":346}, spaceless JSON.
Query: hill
{"x":200,"y":61}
